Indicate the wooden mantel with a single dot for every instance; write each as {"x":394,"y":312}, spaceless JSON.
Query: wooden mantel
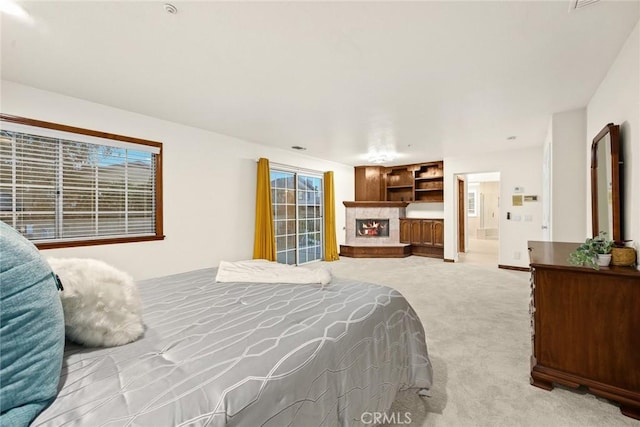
{"x":380,"y":204}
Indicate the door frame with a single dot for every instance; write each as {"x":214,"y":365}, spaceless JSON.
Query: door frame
{"x":462,"y":213}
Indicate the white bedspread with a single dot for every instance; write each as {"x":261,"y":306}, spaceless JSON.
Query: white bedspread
{"x":263,"y":271}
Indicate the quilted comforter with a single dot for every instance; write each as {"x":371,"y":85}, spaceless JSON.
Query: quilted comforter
{"x":248,"y":354}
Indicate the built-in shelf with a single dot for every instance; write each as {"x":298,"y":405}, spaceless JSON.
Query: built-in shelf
{"x":399,"y":186}
{"x":429,"y":182}
{"x":420,"y":182}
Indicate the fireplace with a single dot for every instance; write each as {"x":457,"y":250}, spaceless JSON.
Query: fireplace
{"x":372,"y":227}
{"x":373,"y":223}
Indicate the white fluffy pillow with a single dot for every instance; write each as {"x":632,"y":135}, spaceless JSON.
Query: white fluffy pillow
{"x":101,"y":303}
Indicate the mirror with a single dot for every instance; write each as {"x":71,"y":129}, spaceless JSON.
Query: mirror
{"x":605,"y":183}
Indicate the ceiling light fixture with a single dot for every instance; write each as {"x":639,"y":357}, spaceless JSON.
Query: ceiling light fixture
{"x":381,"y":140}
{"x":379,"y":157}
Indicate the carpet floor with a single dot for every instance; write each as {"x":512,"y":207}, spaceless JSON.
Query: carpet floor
{"x":477,"y":324}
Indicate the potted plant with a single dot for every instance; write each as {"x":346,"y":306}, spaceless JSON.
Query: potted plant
{"x":594,"y":252}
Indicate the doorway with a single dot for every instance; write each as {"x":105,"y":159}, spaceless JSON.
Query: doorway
{"x":480,"y":218}
{"x":297,"y":200}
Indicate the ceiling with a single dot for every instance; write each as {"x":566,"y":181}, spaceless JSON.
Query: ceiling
{"x":425,"y":79}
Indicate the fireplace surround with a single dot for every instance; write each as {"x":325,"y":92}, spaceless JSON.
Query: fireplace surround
{"x":373,"y":230}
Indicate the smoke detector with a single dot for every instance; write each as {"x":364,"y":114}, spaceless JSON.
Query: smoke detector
{"x":579,"y":4}
{"x":170,"y":9}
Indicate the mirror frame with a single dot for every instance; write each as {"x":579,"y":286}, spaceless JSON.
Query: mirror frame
{"x":614,"y":139}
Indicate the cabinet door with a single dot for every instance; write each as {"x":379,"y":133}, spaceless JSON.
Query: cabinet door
{"x":405,"y":231}
{"x":369,"y":183}
{"x":427,"y":232}
{"x":438,"y":232}
{"x":416,"y":231}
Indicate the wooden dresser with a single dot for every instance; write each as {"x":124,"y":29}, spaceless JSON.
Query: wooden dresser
{"x":585,"y":326}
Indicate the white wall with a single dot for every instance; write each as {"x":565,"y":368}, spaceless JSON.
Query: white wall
{"x":617,"y":100}
{"x":568,"y":193}
{"x":488,"y":215}
{"x":425,"y":210}
{"x":517,"y":168}
{"x":209,"y":184}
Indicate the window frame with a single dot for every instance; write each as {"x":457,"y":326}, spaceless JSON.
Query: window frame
{"x":159,"y":219}
{"x":472,"y":208}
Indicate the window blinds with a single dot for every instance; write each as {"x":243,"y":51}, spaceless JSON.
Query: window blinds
{"x":57,"y":189}
{"x":78,"y":137}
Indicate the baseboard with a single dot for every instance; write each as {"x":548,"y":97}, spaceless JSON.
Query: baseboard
{"x":449,"y":260}
{"x":513,"y":267}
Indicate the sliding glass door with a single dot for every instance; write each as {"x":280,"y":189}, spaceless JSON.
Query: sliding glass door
{"x":297,"y":211}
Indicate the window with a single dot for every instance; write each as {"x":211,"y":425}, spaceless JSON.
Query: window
{"x":472,"y":205}
{"x":297,"y":213}
{"x":62,"y":186}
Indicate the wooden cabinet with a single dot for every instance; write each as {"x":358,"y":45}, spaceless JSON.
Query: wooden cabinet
{"x":425,"y":229}
{"x":405,"y":230}
{"x":420,"y":182}
{"x":409,"y":226}
{"x":416,"y":232}
{"x":426,"y":236}
{"x":369,"y":181}
{"x":585,"y":326}
{"x":437,"y":233}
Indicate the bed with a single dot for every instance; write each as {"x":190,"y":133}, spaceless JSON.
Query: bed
{"x":248,"y":354}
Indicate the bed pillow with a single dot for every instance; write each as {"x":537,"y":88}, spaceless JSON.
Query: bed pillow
{"x":31,"y":330}
{"x":101,"y":304}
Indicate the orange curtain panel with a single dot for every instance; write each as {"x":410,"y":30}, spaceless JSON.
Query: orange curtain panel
{"x":264,"y":244}
{"x":330,"y":241}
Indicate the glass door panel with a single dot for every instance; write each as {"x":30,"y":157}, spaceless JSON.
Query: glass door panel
{"x":283,"y":201}
{"x":309,"y":218}
{"x":297,"y":214}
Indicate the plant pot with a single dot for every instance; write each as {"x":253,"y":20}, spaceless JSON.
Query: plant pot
{"x":604,"y":260}
{"x":623,"y":256}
